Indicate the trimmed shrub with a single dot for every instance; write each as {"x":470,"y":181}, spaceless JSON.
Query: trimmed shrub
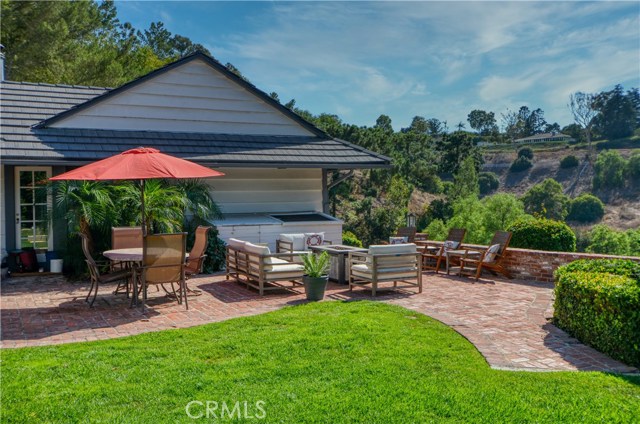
{"x":543,"y":234}
{"x":586,"y":208}
{"x":350,"y":239}
{"x":488,"y":182}
{"x":520,"y":164}
{"x":525,"y":152}
{"x":598,"y":302}
{"x":569,"y":162}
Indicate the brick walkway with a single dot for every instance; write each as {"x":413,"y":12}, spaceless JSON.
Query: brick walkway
{"x":507,"y":321}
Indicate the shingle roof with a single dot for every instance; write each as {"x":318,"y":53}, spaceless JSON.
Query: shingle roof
{"x":24,"y":105}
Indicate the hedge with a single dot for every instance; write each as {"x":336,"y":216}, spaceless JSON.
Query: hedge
{"x":598,"y":302}
{"x":543,"y":234}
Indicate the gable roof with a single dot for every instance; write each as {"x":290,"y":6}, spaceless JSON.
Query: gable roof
{"x":29,"y":110}
{"x":183,"y":61}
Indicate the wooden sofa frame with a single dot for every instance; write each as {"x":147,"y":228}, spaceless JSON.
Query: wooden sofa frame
{"x":253,"y":270}
{"x":378,"y":274}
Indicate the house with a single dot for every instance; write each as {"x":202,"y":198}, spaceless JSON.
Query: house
{"x":275,"y":162}
{"x":544,"y":138}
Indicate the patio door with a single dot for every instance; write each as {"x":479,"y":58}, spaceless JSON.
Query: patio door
{"x":32,"y":201}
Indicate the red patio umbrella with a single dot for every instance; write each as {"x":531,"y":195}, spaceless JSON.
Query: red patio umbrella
{"x":142,"y":164}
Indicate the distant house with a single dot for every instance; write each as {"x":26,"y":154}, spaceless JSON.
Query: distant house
{"x":544,"y":138}
{"x":275,"y":162}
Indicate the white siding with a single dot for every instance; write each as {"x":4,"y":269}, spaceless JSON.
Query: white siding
{"x":193,"y":97}
{"x":256,"y":190}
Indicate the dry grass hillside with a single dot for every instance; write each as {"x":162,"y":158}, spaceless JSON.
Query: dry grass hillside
{"x":622,"y":206}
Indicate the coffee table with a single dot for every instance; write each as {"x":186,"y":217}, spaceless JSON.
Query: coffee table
{"x":338,"y":254}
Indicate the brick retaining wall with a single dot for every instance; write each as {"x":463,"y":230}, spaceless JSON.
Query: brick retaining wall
{"x":538,"y":265}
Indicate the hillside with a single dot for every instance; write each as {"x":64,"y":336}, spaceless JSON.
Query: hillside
{"x":622,"y":206}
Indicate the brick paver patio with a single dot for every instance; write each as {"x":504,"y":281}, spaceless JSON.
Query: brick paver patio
{"x":507,"y":321}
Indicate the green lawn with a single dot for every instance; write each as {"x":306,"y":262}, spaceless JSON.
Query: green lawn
{"x":326,"y":362}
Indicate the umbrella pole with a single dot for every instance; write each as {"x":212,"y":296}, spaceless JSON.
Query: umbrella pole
{"x":144,"y":224}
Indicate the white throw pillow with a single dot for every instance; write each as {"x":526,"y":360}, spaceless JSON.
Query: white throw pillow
{"x":236,"y":244}
{"x":297,"y":240}
{"x":312,"y":240}
{"x":398,"y":240}
{"x":492,"y":251}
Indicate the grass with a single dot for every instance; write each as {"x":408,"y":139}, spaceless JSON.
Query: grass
{"x":327,"y":362}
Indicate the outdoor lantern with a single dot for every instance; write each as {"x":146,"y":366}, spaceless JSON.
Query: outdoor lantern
{"x":411,"y":220}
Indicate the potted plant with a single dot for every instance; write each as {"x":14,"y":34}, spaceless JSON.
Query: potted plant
{"x":315,"y":278}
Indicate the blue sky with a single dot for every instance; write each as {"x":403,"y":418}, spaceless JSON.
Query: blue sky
{"x":435,"y":59}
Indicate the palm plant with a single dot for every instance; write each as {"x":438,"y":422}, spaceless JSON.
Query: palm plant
{"x":164,"y":205}
{"x":84,"y":204}
{"x":316,"y":265}
{"x":198,"y":201}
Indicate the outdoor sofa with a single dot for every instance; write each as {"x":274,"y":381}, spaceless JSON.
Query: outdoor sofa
{"x":257,"y":267}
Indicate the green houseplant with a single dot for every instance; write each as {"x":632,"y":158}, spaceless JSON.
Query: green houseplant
{"x":315,"y":278}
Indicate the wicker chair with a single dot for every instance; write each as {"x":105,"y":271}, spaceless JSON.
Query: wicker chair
{"x":490,"y":258}
{"x":433,"y":256}
{"x":98,"y":277}
{"x":163,"y":262}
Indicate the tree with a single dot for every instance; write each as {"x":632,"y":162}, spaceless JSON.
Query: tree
{"x":436,"y":127}
{"x":609,"y":170}
{"x":500,"y":211}
{"x":384,"y":122}
{"x":552,"y":128}
{"x":511,"y":124}
{"x":606,"y":240}
{"x":166,"y":45}
{"x":618,"y":115}
{"x":482,"y":121}
{"x":454,"y":148}
{"x":583,"y":109}
{"x":468,"y":212}
{"x":460,"y":126}
{"x":547,"y":199}
{"x":533,"y":122}
{"x":418,"y":124}
{"x":465,"y":180}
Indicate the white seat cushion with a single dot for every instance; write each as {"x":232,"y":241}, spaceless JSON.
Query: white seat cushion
{"x":296,"y":239}
{"x":365,"y":271}
{"x":398,"y":240}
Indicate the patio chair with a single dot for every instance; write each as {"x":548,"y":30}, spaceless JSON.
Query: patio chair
{"x":195,"y":258}
{"x":163,"y":262}
{"x":433,"y":255}
{"x":125,"y":238}
{"x":98,"y":277}
{"x":490,"y":258}
{"x":384,"y":264}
